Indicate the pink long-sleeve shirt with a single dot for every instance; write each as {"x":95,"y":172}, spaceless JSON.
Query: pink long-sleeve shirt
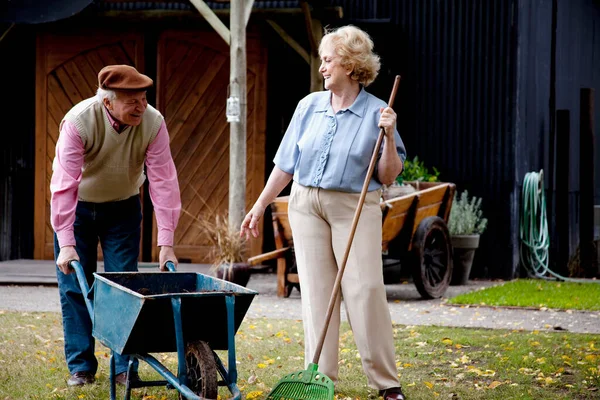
{"x":67,"y":166}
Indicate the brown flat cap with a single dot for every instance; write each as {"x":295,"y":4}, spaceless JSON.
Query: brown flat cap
{"x":123,"y":77}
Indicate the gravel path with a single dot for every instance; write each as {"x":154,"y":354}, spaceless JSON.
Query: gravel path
{"x":406,"y":308}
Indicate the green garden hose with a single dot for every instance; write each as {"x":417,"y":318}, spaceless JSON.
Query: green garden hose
{"x":533,"y":227}
{"x":533,"y":230}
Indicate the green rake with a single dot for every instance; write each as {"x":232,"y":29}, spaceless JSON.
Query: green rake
{"x":307,"y":384}
{"x":310,"y":384}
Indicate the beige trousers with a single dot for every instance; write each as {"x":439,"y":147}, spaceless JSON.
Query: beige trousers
{"x":321,"y":221}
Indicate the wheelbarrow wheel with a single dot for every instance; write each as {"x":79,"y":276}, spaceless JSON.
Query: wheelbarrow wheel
{"x":432,"y":258}
{"x":201,"y":370}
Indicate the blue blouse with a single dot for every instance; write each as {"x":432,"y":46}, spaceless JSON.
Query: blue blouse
{"x":332,"y":150}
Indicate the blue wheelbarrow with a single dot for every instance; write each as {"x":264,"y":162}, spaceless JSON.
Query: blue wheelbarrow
{"x":138,"y":313}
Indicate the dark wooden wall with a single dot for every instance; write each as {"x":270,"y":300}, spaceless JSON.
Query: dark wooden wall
{"x":478,"y":77}
{"x":17,"y":52}
{"x":557,"y":59}
{"x":191,"y":73}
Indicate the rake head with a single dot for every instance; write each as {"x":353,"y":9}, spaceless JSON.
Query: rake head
{"x":303,"y":385}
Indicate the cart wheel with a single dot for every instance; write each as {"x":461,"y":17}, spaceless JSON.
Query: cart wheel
{"x":432,"y":255}
{"x":201,"y":370}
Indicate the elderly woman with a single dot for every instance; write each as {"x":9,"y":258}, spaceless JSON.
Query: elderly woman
{"x":326,"y":151}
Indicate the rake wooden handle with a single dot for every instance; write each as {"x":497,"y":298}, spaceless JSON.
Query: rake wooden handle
{"x":361,"y":200}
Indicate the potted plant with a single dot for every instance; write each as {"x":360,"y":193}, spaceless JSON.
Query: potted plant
{"x":228,"y":248}
{"x":465,"y":224}
{"x":414,"y":171}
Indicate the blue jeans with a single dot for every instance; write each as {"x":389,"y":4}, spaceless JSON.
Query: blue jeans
{"x":118,"y":227}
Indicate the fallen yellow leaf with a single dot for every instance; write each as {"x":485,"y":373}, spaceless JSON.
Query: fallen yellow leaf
{"x":494,"y":385}
{"x":254,"y":395}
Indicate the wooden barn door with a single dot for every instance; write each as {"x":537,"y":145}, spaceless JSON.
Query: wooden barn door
{"x":193,"y":75}
{"x":66,"y":73}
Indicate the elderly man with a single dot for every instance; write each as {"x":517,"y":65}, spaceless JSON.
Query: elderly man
{"x":98,"y":170}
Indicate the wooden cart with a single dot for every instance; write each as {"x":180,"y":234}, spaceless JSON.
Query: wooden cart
{"x":414,"y":232}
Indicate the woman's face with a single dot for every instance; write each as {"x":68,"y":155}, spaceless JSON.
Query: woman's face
{"x":334,"y":75}
{"x":128,"y":108}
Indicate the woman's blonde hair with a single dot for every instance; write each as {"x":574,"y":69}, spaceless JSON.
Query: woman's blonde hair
{"x":355,"y":48}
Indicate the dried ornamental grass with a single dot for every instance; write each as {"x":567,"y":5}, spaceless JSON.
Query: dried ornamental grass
{"x":228,"y":246}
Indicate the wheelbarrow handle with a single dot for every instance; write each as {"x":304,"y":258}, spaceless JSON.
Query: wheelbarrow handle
{"x":170,"y":266}
{"x":83,"y":284}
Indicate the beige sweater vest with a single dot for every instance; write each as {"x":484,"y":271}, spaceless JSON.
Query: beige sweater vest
{"x":113,"y":163}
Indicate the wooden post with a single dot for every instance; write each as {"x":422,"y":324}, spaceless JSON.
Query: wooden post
{"x":586,"y":183}
{"x":237,"y":130}
{"x":562,"y":191}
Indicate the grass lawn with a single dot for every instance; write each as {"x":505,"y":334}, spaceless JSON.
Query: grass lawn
{"x":433,"y":362}
{"x":536,"y":293}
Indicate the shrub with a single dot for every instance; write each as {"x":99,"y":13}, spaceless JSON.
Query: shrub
{"x":466,"y":217}
{"x":416,"y":170}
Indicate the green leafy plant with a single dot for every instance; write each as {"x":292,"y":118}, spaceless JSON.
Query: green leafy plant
{"x":415,"y":170}
{"x":466,"y":217}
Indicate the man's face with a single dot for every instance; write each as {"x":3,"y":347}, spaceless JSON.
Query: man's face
{"x":128,"y":108}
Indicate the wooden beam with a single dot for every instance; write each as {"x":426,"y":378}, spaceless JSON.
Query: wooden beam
{"x":308,"y":20}
{"x":6,"y":31}
{"x":314,"y":29}
{"x":268,"y":256}
{"x":212,"y":19}
{"x":330,"y":13}
{"x":316,"y":79}
{"x":290,"y":41}
{"x":248,"y":10}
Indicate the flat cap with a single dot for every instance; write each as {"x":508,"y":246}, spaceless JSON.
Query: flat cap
{"x":123,"y":77}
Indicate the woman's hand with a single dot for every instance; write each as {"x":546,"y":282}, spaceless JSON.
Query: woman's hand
{"x":250,"y":223}
{"x":387,"y":121}
{"x":390,"y":164}
{"x":275,"y":184}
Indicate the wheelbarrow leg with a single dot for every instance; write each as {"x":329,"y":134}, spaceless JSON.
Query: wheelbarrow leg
{"x":128,"y":382}
{"x":230,"y":377}
{"x":230,"y":304}
{"x":179,"y":340}
{"x":113,"y":391}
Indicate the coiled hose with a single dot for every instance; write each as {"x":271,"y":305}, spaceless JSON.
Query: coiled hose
{"x":533,"y":226}
{"x":533,"y":230}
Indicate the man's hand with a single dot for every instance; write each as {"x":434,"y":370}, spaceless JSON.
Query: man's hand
{"x":66,"y":255}
{"x":166,"y":254}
